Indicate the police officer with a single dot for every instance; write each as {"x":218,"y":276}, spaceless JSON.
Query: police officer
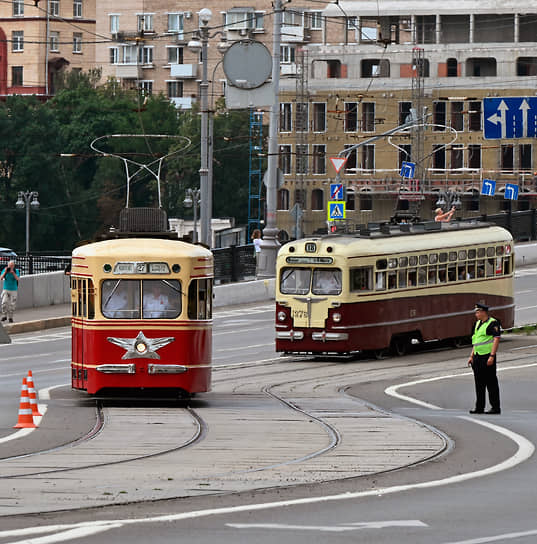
{"x":485,"y":341}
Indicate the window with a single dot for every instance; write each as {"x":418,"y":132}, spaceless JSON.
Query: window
{"x":350,"y":165}
{"x":114,"y":55}
{"x":54,"y":41}
{"x":240,"y":19}
{"x":16,"y":76}
{"x":366,"y":202}
{"x":114,"y":24}
{"x":361,"y":279}
{"x":439,"y":116}
{"x":145,"y":22}
{"x":301,"y":159}
{"x":175,"y":89}
{"x":317,"y":199}
{"x":457,"y":119}
{"x":351,"y":200}
{"x":457,"y":156}
{"x":302,"y":111}
{"x":507,"y":157}
{"x":146,"y":88}
{"x":439,"y":156}
{"x":259,"y":20}
{"x":146,"y":55}
{"x":17,"y":40}
{"x":319,"y":117}
{"x":319,"y":159}
{"x":54,"y":7}
{"x":452,"y":68}
{"x":375,"y":68}
{"x":404,"y":112}
{"x":316,"y":20}
{"x":175,"y":23}
{"x":286,"y":117}
{"x":283,"y":199}
{"x":18,"y":8}
{"x":121,"y":299}
{"x":333,"y":68}
{"x":175,"y":55}
{"x":368,"y":157}
{"x":474,"y":117}
{"x":351,"y":117}
{"x":525,"y":157}
{"x":295,"y":281}
{"x":161,"y":299}
{"x":129,"y":54}
{"x":368,"y":116}
{"x":77,"y":42}
{"x":77,"y":8}
{"x":326,"y":281}
{"x":285,"y":159}
{"x":405,"y":154}
{"x":474,"y":156}
{"x":200,"y":299}
{"x":287,"y":54}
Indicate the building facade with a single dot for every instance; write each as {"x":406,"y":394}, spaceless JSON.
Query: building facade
{"x":38,"y":41}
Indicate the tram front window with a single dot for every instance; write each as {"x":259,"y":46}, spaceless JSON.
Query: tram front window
{"x":121,"y":299}
{"x":295,"y":281}
{"x":326,"y":282}
{"x":161,"y":299}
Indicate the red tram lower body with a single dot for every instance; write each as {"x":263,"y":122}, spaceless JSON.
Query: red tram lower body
{"x":129,"y":355}
{"x":379,"y":324}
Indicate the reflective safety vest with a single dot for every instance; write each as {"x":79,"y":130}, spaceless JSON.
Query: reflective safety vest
{"x":481,"y":341}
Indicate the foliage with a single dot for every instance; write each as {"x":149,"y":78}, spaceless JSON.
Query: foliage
{"x":45,"y":147}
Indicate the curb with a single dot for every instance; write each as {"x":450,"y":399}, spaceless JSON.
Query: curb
{"x":38,"y":325}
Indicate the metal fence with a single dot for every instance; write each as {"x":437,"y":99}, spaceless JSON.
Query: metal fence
{"x":235,"y":263}
{"x":38,"y":264}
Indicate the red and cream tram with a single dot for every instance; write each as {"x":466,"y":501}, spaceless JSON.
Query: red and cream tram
{"x":141,"y":315}
{"x":389,"y":287}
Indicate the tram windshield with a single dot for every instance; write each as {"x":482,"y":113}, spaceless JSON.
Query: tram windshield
{"x":160,"y":299}
{"x":297,"y":281}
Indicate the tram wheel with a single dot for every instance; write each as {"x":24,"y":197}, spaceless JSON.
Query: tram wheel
{"x":459,"y":341}
{"x":380,"y":354}
{"x":400,"y":346}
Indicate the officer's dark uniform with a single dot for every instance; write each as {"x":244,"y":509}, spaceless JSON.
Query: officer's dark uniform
{"x":485,"y":377}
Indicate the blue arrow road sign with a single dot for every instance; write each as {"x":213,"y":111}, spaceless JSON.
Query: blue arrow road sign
{"x":336,"y":191}
{"x":407,"y":169}
{"x":510,"y":117}
{"x":489,"y":187}
{"x":511,"y":191}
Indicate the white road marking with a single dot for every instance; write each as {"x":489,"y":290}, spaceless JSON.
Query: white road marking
{"x":496,"y":538}
{"x":332,"y":528}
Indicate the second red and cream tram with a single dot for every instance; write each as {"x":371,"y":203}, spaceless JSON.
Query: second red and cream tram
{"x":141,"y":315}
{"x":392,"y":287}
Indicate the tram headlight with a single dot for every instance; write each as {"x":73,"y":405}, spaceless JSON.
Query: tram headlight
{"x":141,"y":347}
{"x":336,"y":317}
{"x":282,"y":316}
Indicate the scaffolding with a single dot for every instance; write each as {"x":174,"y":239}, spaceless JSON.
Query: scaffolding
{"x":255,"y":168}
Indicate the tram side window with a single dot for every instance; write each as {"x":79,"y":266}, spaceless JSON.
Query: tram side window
{"x":120,"y":299}
{"x":326,"y":281}
{"x":200,"y":299}
{"x":91,"y":300}
{"x":361,"y":278}
{"x":295,"y":281}
{"x":161,"y":299}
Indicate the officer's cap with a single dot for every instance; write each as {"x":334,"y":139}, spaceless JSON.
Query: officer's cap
{"x":479,"y":306}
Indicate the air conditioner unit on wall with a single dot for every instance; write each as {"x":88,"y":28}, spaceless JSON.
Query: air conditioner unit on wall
{"x":187,"y":14}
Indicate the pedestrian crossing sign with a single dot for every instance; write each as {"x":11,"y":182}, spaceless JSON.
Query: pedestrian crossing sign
{"x":336,"y":210}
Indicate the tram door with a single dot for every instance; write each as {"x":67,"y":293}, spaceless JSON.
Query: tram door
{"x":82,"y":300}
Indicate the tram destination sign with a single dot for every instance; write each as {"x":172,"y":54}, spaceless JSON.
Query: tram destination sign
{"x":510,"y":117}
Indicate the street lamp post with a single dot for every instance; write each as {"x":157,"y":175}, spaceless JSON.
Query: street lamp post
{"x":27,"y":199}
{"x":192,"y":200}
{"x":449,"y":199}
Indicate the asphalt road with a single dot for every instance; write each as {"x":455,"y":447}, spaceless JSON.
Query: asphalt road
{"x":481,"y":489}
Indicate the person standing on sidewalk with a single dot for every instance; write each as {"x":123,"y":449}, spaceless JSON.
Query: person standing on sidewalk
{"x":10,"y":275}
{"x":485,"y":341}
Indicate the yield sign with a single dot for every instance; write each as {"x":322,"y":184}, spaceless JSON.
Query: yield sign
{"x":338,"y":163}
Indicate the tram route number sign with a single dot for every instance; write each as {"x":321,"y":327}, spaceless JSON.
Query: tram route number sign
{"x":336,"y":210}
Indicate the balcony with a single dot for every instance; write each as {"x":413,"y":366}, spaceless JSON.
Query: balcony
{"x":293,"y":34}
{"x":288,"y":69}
{"x":184,"y":70}
{"x":183,"y":103}
{"x":128,"y":71}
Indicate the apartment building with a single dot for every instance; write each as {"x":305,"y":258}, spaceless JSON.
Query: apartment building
{"x":147,"y":45}
{"x":373,"y":64}
{"x":37,"y":40}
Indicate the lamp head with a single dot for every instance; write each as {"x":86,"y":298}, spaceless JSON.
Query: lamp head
{"x":34,"y":203}
{"x":187,"y":202}
{"x":194,"y":45}
{"x":205,"y":15}
{"x":20,"y":200}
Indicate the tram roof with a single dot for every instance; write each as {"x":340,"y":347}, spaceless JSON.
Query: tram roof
{"x":141,"y":248}
{"x":376,"y":242}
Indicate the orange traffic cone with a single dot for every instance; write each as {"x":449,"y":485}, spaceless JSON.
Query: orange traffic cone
{"x":33,"y":395}
{"x":26,"y":420}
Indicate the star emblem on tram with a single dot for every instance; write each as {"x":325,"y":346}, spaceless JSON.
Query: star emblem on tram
{"x":141,"y":347}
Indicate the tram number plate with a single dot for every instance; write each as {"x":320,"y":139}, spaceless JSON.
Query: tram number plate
{"x":300,"y":314}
